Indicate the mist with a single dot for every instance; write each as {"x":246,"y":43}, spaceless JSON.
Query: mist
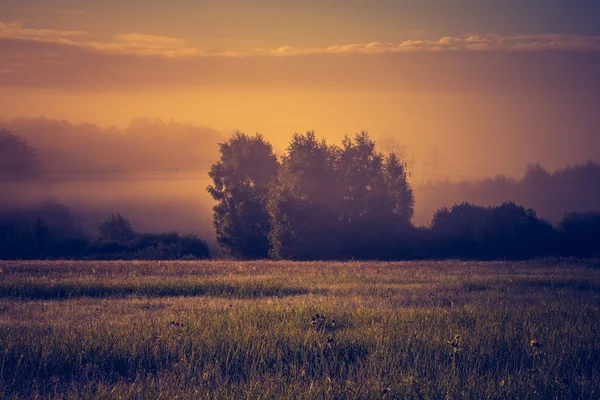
{"x":552,"y":194}
{"x":156,"y":173}
{"x":152,"y":171}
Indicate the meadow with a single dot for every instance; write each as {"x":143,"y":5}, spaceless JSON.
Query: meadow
{"x":321,"y":330}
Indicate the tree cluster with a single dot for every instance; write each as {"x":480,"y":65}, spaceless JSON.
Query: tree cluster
{"x":318,"y":201}
{"x":49,"y":232}
{"x":18,"y":159}
{"x":572,"y":188}
{"x":507,"y":231}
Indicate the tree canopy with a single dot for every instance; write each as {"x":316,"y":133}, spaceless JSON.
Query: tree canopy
{"x":241,"y":180}
{"x":318,"y":201}
{"x":18,"y":160}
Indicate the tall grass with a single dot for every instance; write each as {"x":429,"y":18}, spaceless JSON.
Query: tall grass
{"x":40,"y":288}
{"x":300,"y":330}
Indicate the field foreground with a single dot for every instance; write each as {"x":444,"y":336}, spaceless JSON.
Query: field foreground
{"x":357,"y":330}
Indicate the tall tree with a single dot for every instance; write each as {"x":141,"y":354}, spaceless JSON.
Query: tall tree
{"x":18,"y":160}
{"x":304,"y":202}
{"x":400,"y":193}
{"x":241,"y":180}
{"x":339,"y":202}
{"x":360,"y":169}
{"x":116,"y":228}
{"x":377,"y":200}
{"x":41,"y":234}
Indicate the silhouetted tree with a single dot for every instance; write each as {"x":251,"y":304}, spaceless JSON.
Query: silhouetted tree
{"x":18,"y":160}
{"x":166,"y":246}
{"x":304,"y":202}
{"x":339,"y":202}
{"x":116,"y":228}
{"x":360,"y":169}
{"x":41,"y":235}
{"x":452,"y":230}
{"x":510,"y":231}
{"x":581,"y":234}
{"x":376,"y":203}
{"x":241,"y":180}
{"x":507,"y":231}
{"x":400,"y":193}
{"x":551,"y":194}
{"x":535,"y":174}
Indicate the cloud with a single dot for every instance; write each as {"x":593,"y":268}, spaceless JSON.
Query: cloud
{"x":487,"y":42}
{"x":42,"y":65}
{"x":137,"y":43}
{"x":131,"y":43}
{"x":42,"y":58}
{"x":156,"y":45}
{"x":16,"y":31}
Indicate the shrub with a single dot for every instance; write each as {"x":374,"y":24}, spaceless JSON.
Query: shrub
{"x":580,"y":234}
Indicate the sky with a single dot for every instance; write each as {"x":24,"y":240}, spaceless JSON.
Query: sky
{"x":487,"y":83}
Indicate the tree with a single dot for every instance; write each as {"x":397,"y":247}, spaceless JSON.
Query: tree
{"x":360,"y":169}
{"x":535,"y":174}
{"x":116,"y":228}
{"x":345,"y":201}
{"x":581,"y":234}
{"x":507,"y":231}
{"x":304,"y":201}
{"x":377,"y":200}
{"x":452,"y":230}
{"x":18,"y":160}
{"x":511,"y":231}
{"x":241,"y":180}
{"x":400,"y":193}
{"x":41,"y":234}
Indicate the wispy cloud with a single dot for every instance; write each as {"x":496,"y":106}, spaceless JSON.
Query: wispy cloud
{"x":487,"y":42}
{"x":137,"y":43}
{"x":155,"y":45}
{"x":16,"y":31}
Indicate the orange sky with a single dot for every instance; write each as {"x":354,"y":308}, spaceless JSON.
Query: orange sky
{"x":479,"y":89}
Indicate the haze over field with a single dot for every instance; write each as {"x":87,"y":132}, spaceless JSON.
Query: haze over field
{"x":469,"y":89}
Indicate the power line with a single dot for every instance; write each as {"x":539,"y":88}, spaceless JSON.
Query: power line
{"x":192,"y":178}
{"x":80,"y":179}
{"x":442,"y":175}
{"x":105,"y":179}
{"x":205,"y":169}
{"x":470,"y":166}
{"x":126,"y":170}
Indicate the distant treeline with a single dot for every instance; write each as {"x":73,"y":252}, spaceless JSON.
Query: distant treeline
{"x":69,"y":150}
{"x":48,"y":231}
{"x":571,"y":189}
{"x":508,"y":231}
{"x":322,"y":201}
{"x":317,"y":201}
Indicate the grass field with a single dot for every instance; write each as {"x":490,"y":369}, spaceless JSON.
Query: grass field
{"x":357,"y":330}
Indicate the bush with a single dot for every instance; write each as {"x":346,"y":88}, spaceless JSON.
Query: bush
{"x":507,"y":231}
{"x":512,"y":232}
{"x":580,"y":234}
{"x":452,"y":233}
{"x":148,"y":246}
{"x":26,"y":235}
{"x":116,"y":228}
